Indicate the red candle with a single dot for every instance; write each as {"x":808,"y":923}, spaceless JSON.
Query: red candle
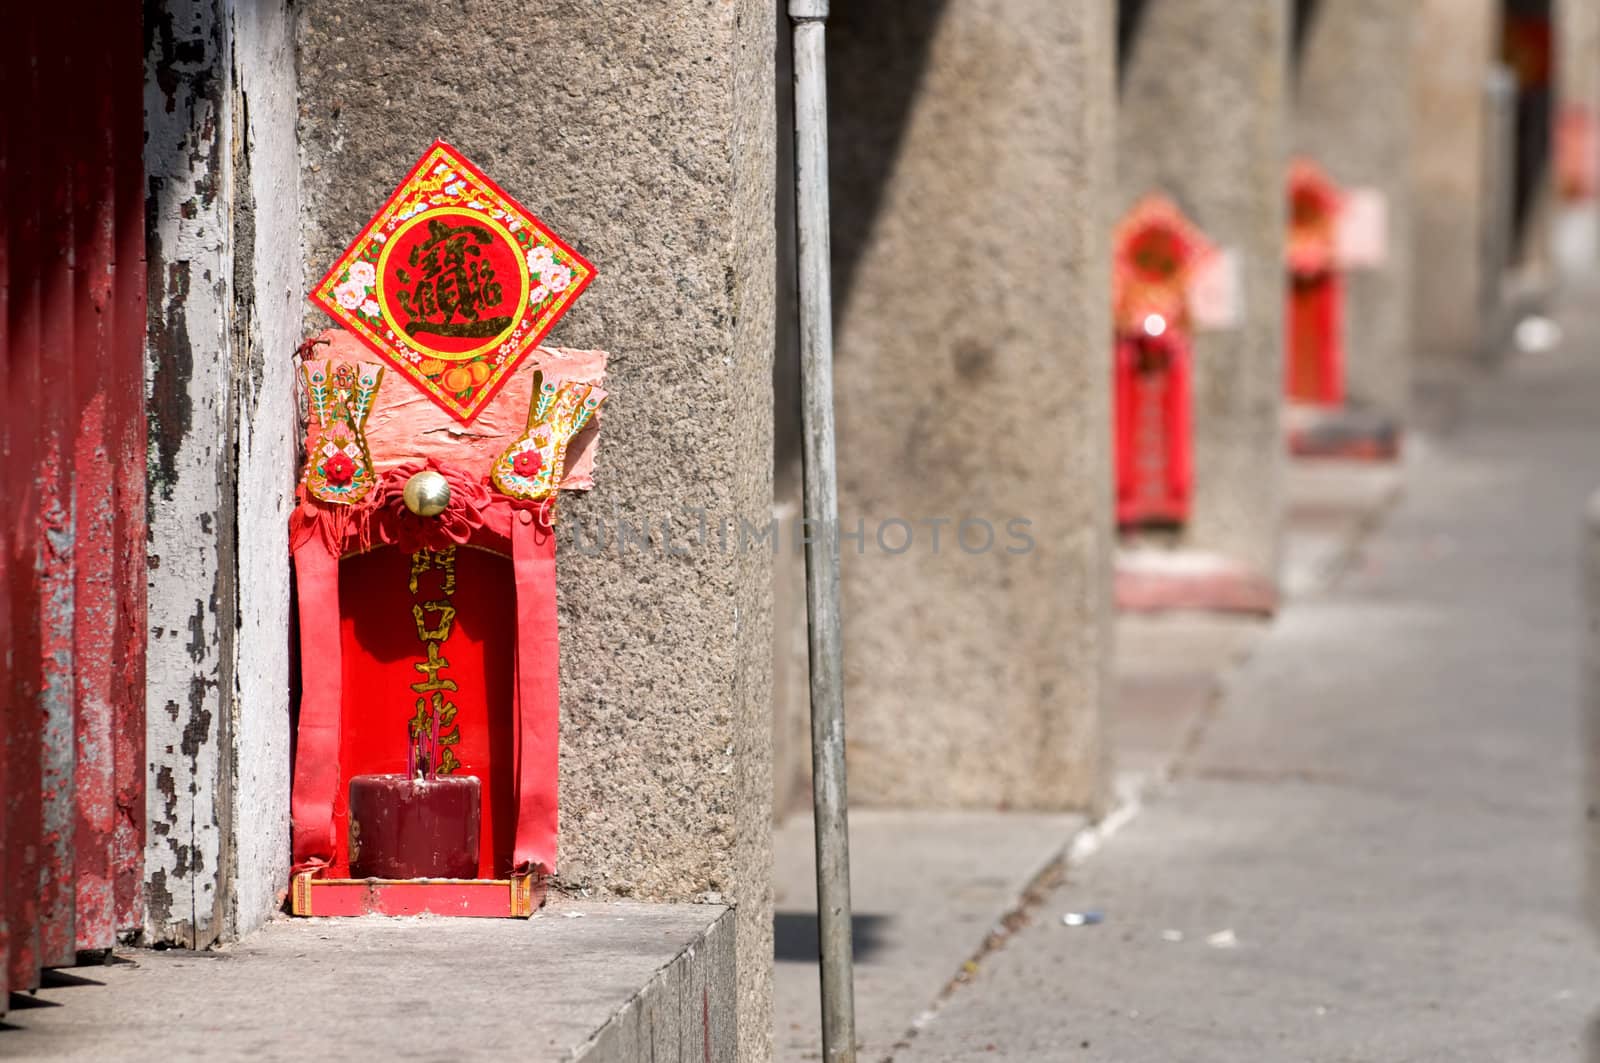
{"x":414,"y":828}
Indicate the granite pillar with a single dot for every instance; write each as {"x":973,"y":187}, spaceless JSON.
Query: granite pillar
{"x":1202,"y":120}
{"x":1454,"y":43}
{"x":1576,"y":225}
{"x":971,"y":166}
{"x":1352,"y":116}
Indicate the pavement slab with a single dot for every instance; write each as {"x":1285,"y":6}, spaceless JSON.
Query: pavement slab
{"x":1374,"y":851}
{"x":1331,"y":506}
{"x":927,"y":889}
{"x":1169,"y":671}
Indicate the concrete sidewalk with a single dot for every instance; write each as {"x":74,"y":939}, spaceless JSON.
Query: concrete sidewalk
{"x":928,"y":890}
{"x":934,"y":892}
{"x":1373,"y":851}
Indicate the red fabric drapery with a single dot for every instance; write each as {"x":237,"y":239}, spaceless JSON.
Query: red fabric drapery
{"x":1315,"y":321}
{"x":1154,"y":467}
{"x":359,"y":571}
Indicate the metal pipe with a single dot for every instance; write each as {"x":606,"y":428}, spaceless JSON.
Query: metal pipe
{"x":809,"y":18}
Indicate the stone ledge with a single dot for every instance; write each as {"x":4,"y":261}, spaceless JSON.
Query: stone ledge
{"x":1151,"y":580}
{"x":588,"y":981}
{"x":1349,"y":433}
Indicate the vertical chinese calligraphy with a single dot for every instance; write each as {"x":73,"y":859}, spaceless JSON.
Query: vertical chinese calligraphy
{"x":433,"y":724}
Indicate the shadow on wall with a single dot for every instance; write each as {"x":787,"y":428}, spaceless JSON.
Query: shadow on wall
{"x":1130,"y":13}
{"x":1527,"y":48}
{"x":1301,"y":17}
{"x":876,"y":56}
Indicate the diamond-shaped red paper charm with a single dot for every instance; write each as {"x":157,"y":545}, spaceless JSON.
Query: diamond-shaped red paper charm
{"x":453,"y":282}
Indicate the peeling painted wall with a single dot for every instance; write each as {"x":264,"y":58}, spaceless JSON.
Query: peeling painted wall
{"x":267,"y":297}
{"x":224,"y":290}
{"x":191,"y":478}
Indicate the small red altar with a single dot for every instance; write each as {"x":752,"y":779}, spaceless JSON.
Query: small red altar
{"x":1314,"y":345}
{"x":439,"y":434}
{"x":1156,"y":253}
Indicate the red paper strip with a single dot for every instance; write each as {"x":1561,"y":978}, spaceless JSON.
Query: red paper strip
{"x":538,"y":693}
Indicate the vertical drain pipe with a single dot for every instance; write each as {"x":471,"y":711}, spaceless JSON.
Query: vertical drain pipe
{"x":809,"y":18}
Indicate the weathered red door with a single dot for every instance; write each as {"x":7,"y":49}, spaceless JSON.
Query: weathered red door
{"x":72,"y":324}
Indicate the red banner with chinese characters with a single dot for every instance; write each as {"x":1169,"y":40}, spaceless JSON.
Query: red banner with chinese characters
{"x":1153,"y":453}
{"x":453,"y":282}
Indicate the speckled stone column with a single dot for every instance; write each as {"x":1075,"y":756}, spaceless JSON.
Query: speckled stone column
{"x":1576,"y":225}
{"x":1352,"y":115}
{"x":971,"y":167}
{"x":642,"y":132}
{"x":1202,"y":119}
{"x":1450,"y":66}
{"x":1578,"y":53}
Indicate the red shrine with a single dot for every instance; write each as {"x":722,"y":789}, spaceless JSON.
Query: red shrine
{"x":1156,"y":252}
{"x":425,"y":772}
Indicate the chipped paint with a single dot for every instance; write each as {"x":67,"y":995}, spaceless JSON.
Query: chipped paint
{"x":223,"y":316}
{"x":127,"y":433}
{"x":190,"y":479}
{"x":268,"y":299}
{"x":54,"y":575}
{"x":58,"y":543}
{"x":95,"y":589}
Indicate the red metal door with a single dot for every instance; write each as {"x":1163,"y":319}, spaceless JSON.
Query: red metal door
{"x":72,"y":323}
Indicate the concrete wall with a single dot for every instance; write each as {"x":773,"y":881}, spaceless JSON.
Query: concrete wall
{"x":1589,"y":562}
{"x":1202,"y":118}
{"x":224,"y":318}
{"x":1352,"y":115}
{"x":971,"y":166}
{"x":1450,"y":63}
{"x":642,"y":131}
